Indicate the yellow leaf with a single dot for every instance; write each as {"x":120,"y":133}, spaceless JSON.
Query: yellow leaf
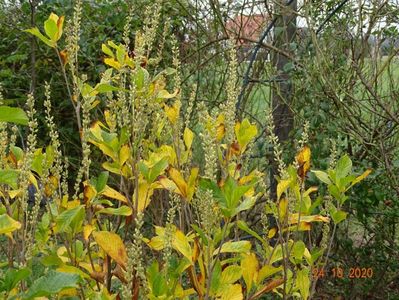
{"x":172,"y":112}
{"x":145,"y":192}
{"x":87,"y":230}
{"x":112,"y":63}
{"x":283,"y":205}
{"x":113,"y":194}
{"x":113,"y":245}
{"x":308,"y":219}
{"x":191,"y":183}
{"x":124,"y":154}
{"x":361,"y":177}
{"x":272,"y":232}
{"x":249,"y":266}
{"x":188,"y":137}
{"x":89,"y":192}
{"x":303,"y":160}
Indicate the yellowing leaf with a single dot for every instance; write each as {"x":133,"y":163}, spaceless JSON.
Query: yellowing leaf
{"x":164,"y":94}
{"x":8,"y":224}
{"x":303,"y":160}
{"x":282,"y":186}
{"x":361,"y":177}
{"x":232,"y":292}
{"x":188,"y":137}
{"x":113,"y":245}
{"x":249,"y":266}
{"x":180,"y":243}
{"x":113,"y":194}
{"x":245,"y":132}
{"x":235,"y":247}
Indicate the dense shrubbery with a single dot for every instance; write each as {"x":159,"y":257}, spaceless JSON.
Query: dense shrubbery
{"x":158,"y":208}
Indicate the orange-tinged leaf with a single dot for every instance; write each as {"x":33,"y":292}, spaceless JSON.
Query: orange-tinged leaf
{"x":113,"y":194}
{"x":64,"y":57}
{"x":113,"y":245}
{"x":178,"y":179}
{"x":267,"y":288}
{"x":60,"y":24}
{"x":313,"y":218}
{"x":89,"y":193}
{"x":303,"y":160}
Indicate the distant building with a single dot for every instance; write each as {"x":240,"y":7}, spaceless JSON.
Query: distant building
{"x":247,"y":30}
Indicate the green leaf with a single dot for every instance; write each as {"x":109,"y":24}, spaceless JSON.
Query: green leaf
{"x":157,"y":169}
{"x":344,"y":166}
{"x":105,"y":88}
{"x":322,"y":176}
{"x":9,"y":177}
{"x":13,"y":115}
{"x":12,"y":277}
{"x":233,"y":192}
{"x":71,"y":220}
{"x":303,"y":282}
{"x":51,"y":29}
{"x":102,"y":181}
{"x":51,"y":284}
{"x":338,"y":216}
{"x":298,"y":250}
{"x":244,"y":226}
{"x":38,"y":34}
{"x":107,"y":51}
